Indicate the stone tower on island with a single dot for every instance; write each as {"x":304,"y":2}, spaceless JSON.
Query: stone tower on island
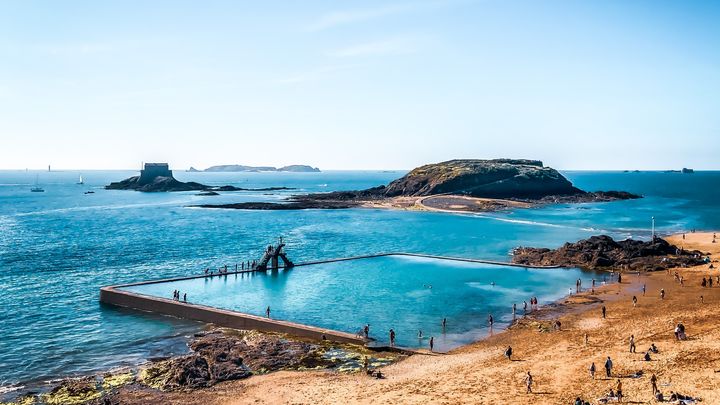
{"x":153,"y":170}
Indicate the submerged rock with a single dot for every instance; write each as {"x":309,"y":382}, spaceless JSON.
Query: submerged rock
{"x":599,"y":252}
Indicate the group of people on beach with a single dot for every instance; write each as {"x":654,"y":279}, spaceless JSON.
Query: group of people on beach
{"x":176,"y":296}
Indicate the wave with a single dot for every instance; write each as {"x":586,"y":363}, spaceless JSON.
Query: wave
{"x":96,"y":207}
{"x":4,"y":389}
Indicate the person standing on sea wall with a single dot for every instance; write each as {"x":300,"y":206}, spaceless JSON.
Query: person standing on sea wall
{"x":392,"y":337}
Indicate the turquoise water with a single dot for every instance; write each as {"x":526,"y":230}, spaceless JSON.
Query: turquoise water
{"x":408,"y":294}
{"x":57,"y":248}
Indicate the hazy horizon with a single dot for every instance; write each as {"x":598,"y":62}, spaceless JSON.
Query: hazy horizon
{"x":592,"y":85}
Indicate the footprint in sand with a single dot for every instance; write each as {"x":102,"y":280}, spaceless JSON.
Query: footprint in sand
{"x":589,"y":323}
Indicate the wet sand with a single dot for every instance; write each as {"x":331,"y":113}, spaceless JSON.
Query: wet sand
{"x":559,"y":360}
{"x":447,"y":203}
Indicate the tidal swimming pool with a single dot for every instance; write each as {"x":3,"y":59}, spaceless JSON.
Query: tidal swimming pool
{"x":408,"y":294}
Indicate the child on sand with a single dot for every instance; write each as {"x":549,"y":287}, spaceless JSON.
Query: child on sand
{"x":528,"y":383}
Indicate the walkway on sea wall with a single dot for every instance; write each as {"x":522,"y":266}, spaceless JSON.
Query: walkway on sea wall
{"x":118,"y":296}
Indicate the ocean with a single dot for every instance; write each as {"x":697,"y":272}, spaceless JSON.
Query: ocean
{"x":59,"y":247}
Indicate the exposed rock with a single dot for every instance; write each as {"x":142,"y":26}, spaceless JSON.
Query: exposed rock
{"x":499,"y":178}
{"x":158,"y":184}
{"x":602,"y":252}
{"x":208,"y":193}
{"x":73,"y":391}
{"x":217,"y":356}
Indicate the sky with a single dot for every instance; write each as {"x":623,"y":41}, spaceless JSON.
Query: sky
{"x":587,"y":85}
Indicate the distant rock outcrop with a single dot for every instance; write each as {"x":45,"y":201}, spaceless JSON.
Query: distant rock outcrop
{"x":157,"y":177}
{"x":602,"y":252}
{"x":243,"y":168}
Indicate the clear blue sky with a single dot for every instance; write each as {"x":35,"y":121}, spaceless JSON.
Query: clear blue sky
{"x":353,"y":85}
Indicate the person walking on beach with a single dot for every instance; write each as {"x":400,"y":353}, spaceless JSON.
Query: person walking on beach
{"x":185,"y":297}
{"x":366,"y":330}
{"x":490,"y":321}
{"x":528,"y":383}
{"x":524,"y":307}
{"x":267,"y":311}
{"x":619,"y":278}
{"x":514,"y":309}
{"x":508,"y":353}
{"x":432,"y":343}
{"x":604,"y":310}
{"x":618,"y":390}
{"x":662,"y":293}
{"x":592,"y":370}
{"x":444,"y":323}
{"x":634,"y":301}
{"x":587,"y":339}
{"x":632,"y":343}
{"x":653,"y":381}
{"x":608,"y":367}
{"x":643,"y":289}
{"x":392,"y":337}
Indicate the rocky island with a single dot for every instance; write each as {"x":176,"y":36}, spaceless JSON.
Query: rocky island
{"x":456,"y":185}
{"x":157,"y":177}
{"x":243,"y":168}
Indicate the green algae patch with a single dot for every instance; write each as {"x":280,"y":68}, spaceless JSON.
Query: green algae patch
{"x":155,"y":375}
{"x":71,"y":392}
{"x":25,"y":400}
{"x":111,"y":381}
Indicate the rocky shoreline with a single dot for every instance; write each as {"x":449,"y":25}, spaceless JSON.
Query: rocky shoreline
{"x":602,"y":252}
{"x":215,"y":356}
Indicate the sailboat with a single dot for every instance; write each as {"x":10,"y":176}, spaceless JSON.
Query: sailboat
{"x":37,"y":188}
{"x":81,"y":181}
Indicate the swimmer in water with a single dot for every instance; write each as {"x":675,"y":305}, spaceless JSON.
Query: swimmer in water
{"x":492,"y":283}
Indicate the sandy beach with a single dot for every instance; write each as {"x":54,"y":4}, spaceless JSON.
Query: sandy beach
{"x":559,"y":360}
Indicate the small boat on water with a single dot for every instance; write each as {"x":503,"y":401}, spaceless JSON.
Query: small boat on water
{"x":81,"y":181}
{"x":90,"y":192}
{"x":37,"y":188}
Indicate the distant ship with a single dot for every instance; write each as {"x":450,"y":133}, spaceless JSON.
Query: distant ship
{"x":81,"y":181}
{"x":37,"y":188}
{"x":686,"y":170}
